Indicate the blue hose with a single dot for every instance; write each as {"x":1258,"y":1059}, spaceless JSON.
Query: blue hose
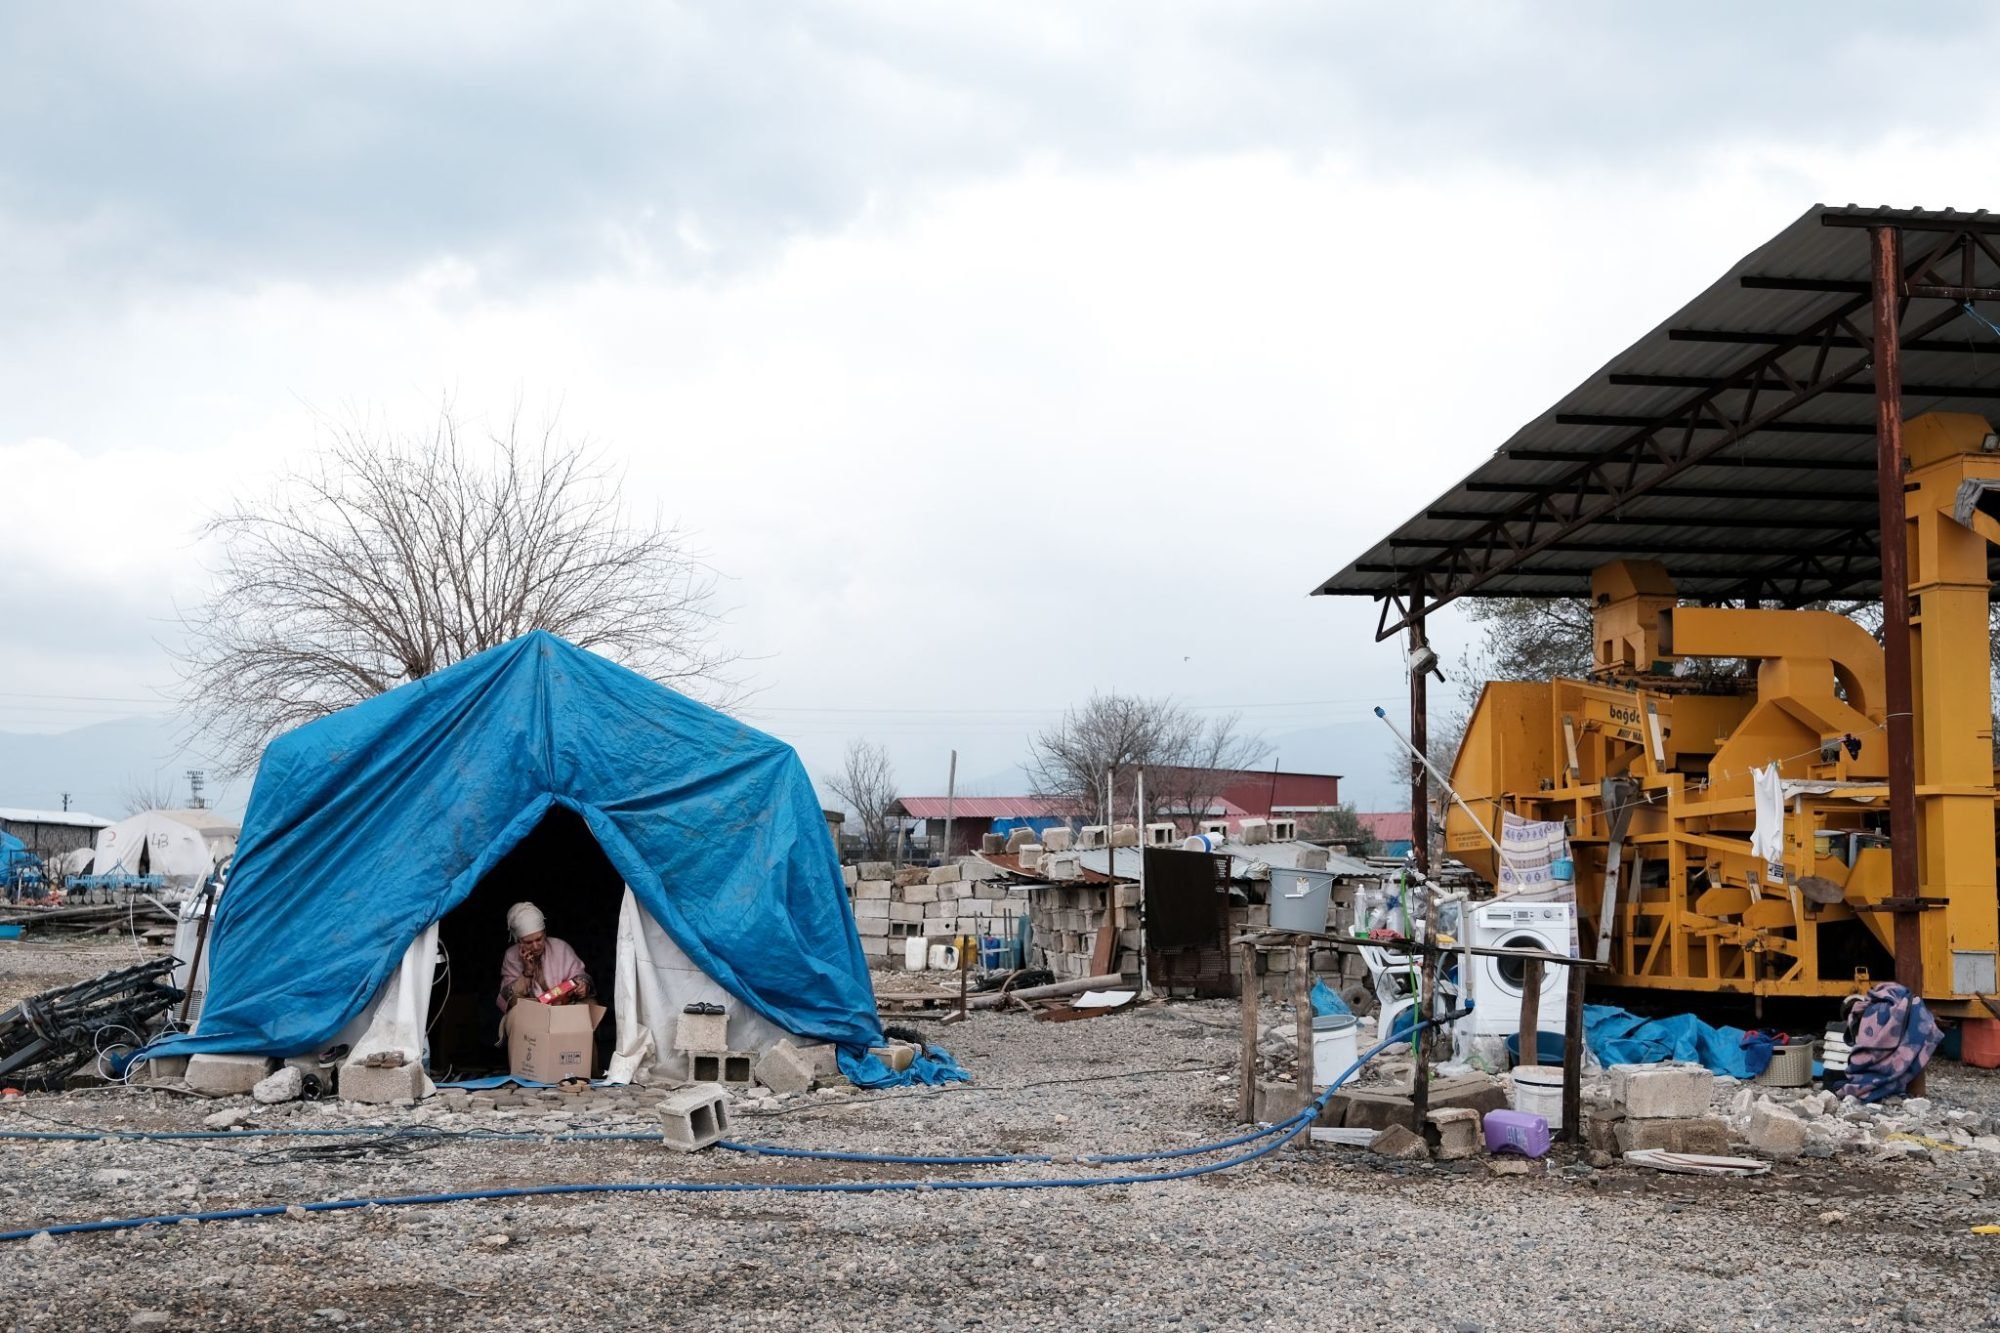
{"x":1278,"y":1135}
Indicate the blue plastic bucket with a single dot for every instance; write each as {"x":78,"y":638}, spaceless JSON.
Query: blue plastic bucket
{"x":1548,"y":1047}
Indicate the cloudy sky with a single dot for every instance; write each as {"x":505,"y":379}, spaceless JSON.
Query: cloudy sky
{"x":997,"y":353}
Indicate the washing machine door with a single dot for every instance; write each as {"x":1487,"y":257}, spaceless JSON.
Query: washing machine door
{"x":1512,"y":973}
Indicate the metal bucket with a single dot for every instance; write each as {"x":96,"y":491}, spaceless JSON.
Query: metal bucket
{"x":1300,"y":898}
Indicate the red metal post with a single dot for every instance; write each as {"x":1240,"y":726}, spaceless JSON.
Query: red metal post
{"x":1888,"y":355}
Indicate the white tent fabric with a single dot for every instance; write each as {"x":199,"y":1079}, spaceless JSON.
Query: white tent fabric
{"x":150,"y":843}
{"x":395,"y":1019}
{"x":655,"y":980}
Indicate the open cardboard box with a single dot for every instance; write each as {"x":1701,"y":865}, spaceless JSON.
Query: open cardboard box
{"x":548,"y":1043}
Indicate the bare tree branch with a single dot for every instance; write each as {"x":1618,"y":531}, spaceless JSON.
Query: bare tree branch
{"x":387,"y":557}
{"x":1187,"y":761}
{"x":867,"y":785}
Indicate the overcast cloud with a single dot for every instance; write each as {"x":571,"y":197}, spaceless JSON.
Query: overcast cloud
{"x":996,"y":353}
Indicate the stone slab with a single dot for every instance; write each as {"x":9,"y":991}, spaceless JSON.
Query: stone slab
{"x":227,"y":1075}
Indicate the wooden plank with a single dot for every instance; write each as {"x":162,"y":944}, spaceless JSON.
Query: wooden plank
{"x":1531,"y":1011}
{"x":1105,"y":948}
{"x":1572,"y":1126}
{"x":1246,"y":1090}
{"x":1302,"y":1014}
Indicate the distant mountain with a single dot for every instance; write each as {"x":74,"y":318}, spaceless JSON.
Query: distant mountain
{"x":100,"y":764}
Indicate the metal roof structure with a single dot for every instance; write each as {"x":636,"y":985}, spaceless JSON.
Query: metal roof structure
{"x":53,"y":818}
{"x":980,"y":807}
{"x":1735,"y":443}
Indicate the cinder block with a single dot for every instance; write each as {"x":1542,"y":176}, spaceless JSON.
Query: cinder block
{"x":991,"y":892}
{"x":991,"y":843}
{"x":979,"y":870}
{"x":1706,"y":1137}
{"x":906,"y":911}
{"x":1662,"y":1092}
{"x":850,"y":875}
{"x":736,"y":1069}
{"x":379,"y":1087}
{"x":875,"y":870}
{"x":706,"y":1033}
{"x":1057,"y":839}
{"x":1254,"y":831}
{"x":945,"y":874}
{"x":1093,"y":837}
{"x":1031,"y":855}
{"x":1064,"y":867}
{"x":1313,"y":858}
{"x":694,"y":1118}
{"x":921,"y":893}
{"x":1455,"y":1133}
{"x":825,"y":1058}
{"x":866,"y":890}
{"x":1162,"y":835}
{"x":784,"y":1068}
{"x":872,"y":927}
{"x":1124,"y":835}
{"x":873,"y":909}
{"x":166,"y":1069}
{"x":1126,"y":895}
{"x":1019,"y":838}
{"x":227,"y":1075}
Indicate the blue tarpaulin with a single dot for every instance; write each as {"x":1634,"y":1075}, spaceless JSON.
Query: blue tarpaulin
{"x":367,"y":826}
{"x":932,"y":1065}
{"x":1617,"y":1037}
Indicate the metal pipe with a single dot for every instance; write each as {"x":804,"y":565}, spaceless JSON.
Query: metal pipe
{"x":1887,"y":278}
{"x":1442,"y":781}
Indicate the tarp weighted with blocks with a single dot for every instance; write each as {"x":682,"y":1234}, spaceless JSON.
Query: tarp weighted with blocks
{"x":367,"y":826}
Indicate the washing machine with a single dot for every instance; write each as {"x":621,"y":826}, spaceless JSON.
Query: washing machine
{"x":1498,"y":983}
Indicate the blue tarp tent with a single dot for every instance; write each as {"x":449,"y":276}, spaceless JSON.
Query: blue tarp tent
{"x":366,"y":827}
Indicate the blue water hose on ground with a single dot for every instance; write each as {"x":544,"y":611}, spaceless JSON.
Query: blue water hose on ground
{"x":1276,"y":1136}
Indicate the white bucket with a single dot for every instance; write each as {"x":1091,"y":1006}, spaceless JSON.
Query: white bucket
{"x":1538,"y":1090}
{"x":944,"y":957}
{"x":1334,"y":1047}
{"x":916,"y":951}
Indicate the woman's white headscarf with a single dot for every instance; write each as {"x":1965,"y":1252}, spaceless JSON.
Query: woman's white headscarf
{"x":524,"y":919}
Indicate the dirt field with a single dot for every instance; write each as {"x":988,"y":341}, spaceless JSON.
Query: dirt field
{"x":1303,"y":1238}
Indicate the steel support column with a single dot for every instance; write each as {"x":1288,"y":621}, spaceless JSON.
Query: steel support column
{"x":1887,"y":280}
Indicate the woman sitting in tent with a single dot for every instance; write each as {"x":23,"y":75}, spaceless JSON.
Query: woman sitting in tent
{"x":536,"y":963}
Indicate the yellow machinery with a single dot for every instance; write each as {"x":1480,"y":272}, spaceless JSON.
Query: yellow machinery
{"x":1652,"y":763}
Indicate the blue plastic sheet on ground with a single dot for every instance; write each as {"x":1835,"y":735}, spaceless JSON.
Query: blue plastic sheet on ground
{"x":503,"y":1080}
{"x":933,"y":1066}
{"x":367,"y":826}
{"x":1618,"y":1037}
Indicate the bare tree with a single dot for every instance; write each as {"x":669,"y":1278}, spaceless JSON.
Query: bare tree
{"x":388,"y":556}
{"x":1187,"y":761}
{"x":143,"y":794}
{"x":866,"y":784}
{"x":1342,"y":825}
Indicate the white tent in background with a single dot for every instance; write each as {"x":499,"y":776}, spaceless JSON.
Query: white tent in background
{"x":218,"y":832}
{"x":153,"y":843}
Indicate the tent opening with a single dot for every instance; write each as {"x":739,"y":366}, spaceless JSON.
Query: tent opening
{"x":560,"y":868}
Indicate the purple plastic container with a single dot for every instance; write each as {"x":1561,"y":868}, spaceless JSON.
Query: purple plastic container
{"x":1517,"y":1132}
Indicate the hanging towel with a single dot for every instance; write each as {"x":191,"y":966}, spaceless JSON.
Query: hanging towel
{"x":1767,"y":840}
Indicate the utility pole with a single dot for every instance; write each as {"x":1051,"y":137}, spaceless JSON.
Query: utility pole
{"x":950,"y":804}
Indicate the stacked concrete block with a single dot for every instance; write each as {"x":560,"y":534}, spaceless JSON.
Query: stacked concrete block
{"x":707,"y":1033}
{"x":227,"y":1075}
{"x":694,"y":1118}
{"x":1254,"y":831}
{"x":973,"y":871}
{"x":1031,"y":856}
{"x":850,"y":876}
{"x":877,"y":908}
{"x":990,"y":843}
{"x":909,"y":875}
{"x":1020,"y":838}
{"x":1162,"y":835}
{"x":1093,"y":837}
{"x":918,"y":894}
{"x":875,"y":870}
{"x":873,"y":888}
{"x":1124,"y":835}
{"x":381,"y":1085}
{"x":944,"y":874}
{"x":1662,"y":1091}
{"x":1068,"y":866}
{"x":1056,"y":839}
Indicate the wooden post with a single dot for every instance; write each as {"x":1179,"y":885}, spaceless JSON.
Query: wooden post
{"x":1531,"y":1010}
{"x":1420,"y":1082}
{"x":1572,"y":1128}
{"x":1246,"y":1090}
{"x":1302,"y":1014}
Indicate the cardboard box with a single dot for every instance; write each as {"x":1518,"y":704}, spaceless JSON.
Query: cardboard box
{"x":551,"y":1042}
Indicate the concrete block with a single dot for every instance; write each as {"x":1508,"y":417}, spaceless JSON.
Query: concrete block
{"x":380,"y":1087}
{"x":1400,"y":1142}
{"x":1455,"y":1133}
{"x":1057,"y":839}
{"x":972,"y":871}
{"x":909,"y":875}
{"x":945,"y":874}
{"x":1126,"y":895}
{"x":850,"y":875}
{"x":166,"y":1069}
{"x":868,"y":890}
{"x":736,"y":1069}
{"x":702,"y":1032}
{"x":1663,"y":1091}
{"x":1371,"y":1110}
{"x":694,"y":1118}
{"x":1254,"y":831}
{"x":872,"y":927}
{"x":1065,"y":867}
{"x":873,"y":909}
{"x":1124,"y":835}
{"x":227,"y":1075}
{"x":784,"y":1068}
{"x":991,"y":892}
{"x":906,"y":911}
{"x":1031,"y":855}
{"x":1707,"y":1137}
{"x":875,"y":870}
{"x":1776,"y":1132}
{"x":1093,"y":837}
{"x":825,"y":1058}
{"x":1313,"y":858}
{"x":1471,"y":1092}
{"x":921,"y":893}
{"x":990,"y":843}
{"x":1019,"y":838}
{"x":1163,"y":835}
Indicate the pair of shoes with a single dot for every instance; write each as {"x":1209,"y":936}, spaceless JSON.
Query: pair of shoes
{"x":699,"y":1008}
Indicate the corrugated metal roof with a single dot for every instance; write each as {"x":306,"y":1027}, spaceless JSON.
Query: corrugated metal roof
{"x":1389,"y":825}
{"x":982,"y":807}
{"x":1787,"y":512}
{"x":56,"y":818}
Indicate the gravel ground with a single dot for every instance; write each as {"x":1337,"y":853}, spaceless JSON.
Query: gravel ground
{"x":1304,"y":1238}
